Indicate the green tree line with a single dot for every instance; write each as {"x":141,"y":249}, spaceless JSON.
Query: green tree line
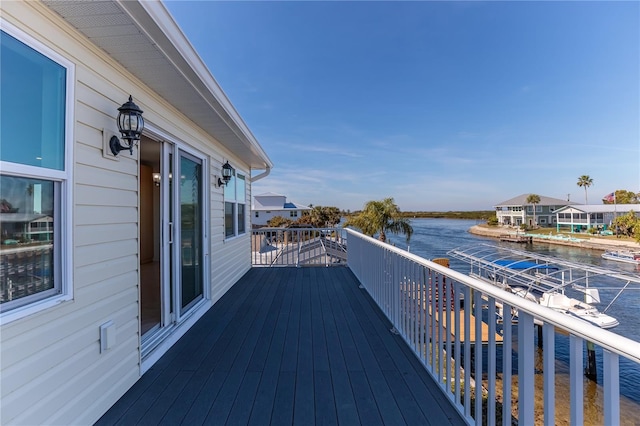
{"x":627,"y":225}
{"x":623,"y":197}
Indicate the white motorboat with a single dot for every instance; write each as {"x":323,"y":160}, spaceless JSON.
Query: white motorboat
{"x":570,"y":306}
{"x":626,"y":256}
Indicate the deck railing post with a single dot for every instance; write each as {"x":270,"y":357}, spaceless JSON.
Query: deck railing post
{"x":576,"y":380}
{"x":456,"y":344}
{"x":548,"y":335}
{"x":478,"y":355}
{"x":526,"y":383}
{"x":507,"y":361}
{"x":611,"y":375}
{"x":491,"y":367}
{"x":467,"y":351}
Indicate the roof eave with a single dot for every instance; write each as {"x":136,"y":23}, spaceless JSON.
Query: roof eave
{"x":189,"y":62}
{"x":191,"y":88}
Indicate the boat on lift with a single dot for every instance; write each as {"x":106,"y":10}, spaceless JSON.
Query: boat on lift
{"x":574,"y":307}
{"x":541,"y":279}
{"x":626,"y":256}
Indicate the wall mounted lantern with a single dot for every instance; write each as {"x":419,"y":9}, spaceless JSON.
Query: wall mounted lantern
{"x":227,"y":171}
{"x":156,"y":179}
{"x":130,"y":124}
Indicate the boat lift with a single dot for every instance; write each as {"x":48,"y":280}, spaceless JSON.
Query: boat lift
{"x":504,"y":266}
{"x":532,"y":274}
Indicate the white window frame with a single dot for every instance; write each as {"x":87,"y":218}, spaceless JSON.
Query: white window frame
{"x":235,"y":203}
{"x":64,"y":178}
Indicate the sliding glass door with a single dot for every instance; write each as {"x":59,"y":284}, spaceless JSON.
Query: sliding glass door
{"x":173,"y":238}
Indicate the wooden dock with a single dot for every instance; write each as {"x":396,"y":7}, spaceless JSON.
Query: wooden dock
{"x":472,"y":320}
{"x":448,"y":319}
{"x":516,"y":238}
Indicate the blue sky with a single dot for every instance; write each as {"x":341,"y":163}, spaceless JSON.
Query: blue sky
{"x":440,"y":105}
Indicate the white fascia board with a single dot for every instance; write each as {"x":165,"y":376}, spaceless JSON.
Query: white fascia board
{"x":185,"y":58}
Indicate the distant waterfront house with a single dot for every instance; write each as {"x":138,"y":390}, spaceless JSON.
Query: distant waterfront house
{"x":516,"y":211}
{"x":25,"y":227}
{"x":576,"y":218}
{"x":269,"y":205}
{"x":107,"y":260}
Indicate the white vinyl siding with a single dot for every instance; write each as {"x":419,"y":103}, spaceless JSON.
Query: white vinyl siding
{"x":50,"y":362}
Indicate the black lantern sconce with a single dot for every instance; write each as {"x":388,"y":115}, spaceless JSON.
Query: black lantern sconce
{"x":130,"y":124}
{"x":227,"y":172}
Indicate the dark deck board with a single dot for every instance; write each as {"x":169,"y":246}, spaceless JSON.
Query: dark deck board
{"x":288,"y":346}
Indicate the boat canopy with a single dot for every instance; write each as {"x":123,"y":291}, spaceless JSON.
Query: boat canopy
{"x":523,"y":264}
{"x":515,"y":266}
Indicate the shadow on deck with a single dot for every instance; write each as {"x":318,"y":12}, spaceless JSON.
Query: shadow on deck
{"x":288,"y":346}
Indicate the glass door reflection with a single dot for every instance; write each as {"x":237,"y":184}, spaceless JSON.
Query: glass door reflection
{"x":191,"y":227}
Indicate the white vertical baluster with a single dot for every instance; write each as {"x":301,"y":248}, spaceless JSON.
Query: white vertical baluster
{"x":456,"y":344}
{"x":491,"y":363}
{"x":611,"y":374}
{"x":446,"y":296}
{"x":467,"y":351}
{"x":548,"y":364}
{"x":575,"y":380}
{"x":526,"y":384}
{"x":507,"y":359}
{"x":477,"y":299}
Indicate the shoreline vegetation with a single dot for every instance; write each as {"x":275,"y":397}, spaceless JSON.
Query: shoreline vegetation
{"x":476,"y":214}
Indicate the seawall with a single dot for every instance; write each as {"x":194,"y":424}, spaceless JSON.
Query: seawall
{"x":594,"y":243}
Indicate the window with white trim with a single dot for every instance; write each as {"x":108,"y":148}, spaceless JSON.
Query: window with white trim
{"x":235,"y":206}
{"x":35,"y":148}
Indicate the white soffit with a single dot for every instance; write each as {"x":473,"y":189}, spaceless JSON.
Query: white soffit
{"x":144,"y":38}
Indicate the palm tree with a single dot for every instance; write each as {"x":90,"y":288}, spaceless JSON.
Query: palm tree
{"x":585,"y":181}
{"x":381,"y":217}
{"x":533,"y":199}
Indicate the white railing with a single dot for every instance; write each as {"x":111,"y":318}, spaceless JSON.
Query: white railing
{"x":299,"y":247}
{"x":437,"y":310}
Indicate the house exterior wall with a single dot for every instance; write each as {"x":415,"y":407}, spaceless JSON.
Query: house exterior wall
{"x":587,"y":216}
{"x":510,"y":215}
{"x":264,"y":216}
{"x":517,"y":215}
{"x":50,"y":362}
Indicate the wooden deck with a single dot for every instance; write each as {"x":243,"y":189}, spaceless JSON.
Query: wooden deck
{"x":288,"y":346}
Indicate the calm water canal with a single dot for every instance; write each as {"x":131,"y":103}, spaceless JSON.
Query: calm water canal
{"x":434,"y":237}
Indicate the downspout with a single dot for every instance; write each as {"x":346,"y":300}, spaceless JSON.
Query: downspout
{"x":261,"y":175}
